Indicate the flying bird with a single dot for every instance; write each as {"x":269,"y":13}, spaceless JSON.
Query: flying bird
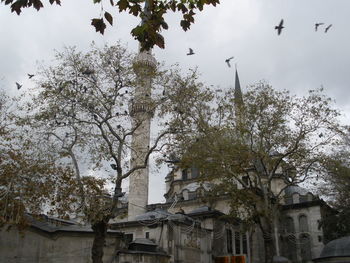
{"x":317,"y":25}
{"x":190,"y":52}
{"x":327,"y":28}
{"x":19,"y":86}
{"x":113,"y":166}
{"x":228,"y":61}
{"x":279,"y":27}
{"x":30,"y":75}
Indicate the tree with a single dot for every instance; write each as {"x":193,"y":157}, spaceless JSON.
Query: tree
{"x":337,"y":188}
{"x":254,"y":146}
{"x":29,"y":180}
{"x":147,"y":33}
{"x":83,"y":109}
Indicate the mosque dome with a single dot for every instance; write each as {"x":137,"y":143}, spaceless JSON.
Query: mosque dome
{"x":337,"y":248}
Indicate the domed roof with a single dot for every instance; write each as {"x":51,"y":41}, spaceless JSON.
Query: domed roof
{"x":337,"y":248}
{"x":290,"y":190}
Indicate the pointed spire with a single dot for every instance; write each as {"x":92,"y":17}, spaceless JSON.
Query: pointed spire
{"x":238,"y":91}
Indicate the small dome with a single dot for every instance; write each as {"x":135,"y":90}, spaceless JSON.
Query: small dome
{"x":337,"y":248}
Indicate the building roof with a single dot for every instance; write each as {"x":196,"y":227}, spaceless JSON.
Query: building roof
{"x":47,"y":225}
{"x":337,"y":248}
{"x":151,"y":215}
{"x":290,"y":190}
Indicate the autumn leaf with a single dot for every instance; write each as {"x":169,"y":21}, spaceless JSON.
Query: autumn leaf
{"x":109,"y":18}
{"x":123,"y":5}
{"x":99,"y":25}
{"x":37,"y":4}
{"x":185,"y":25}
{"x":58,"y":2}
{"x":16,"y":6}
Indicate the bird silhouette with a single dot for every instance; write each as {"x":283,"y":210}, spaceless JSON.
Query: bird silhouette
{"x":190,"y":52}
{"x":19,"y":86}
{"x":317,"y":25}
{"x":279,"y":27}
{"x":228,"y":61}
{"x":327,"y":28}
{"x":113,"y":166}
{"x":30,"y":75}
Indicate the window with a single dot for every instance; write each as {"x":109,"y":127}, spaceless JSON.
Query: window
{"x":147,"y":235}
{"x":194,"y":172}
{"x":289,"y":225}
{"x":237,"y":243}
{"x":303,"y":198}
{"x":303,"y":225}
{"x":245,"y":180}
{"x":128,"y":238}
{"x":192,"y":195}
{"x":229,"y":241}
{"x":184,"y":174}
{"x":245,"y":244}
{"x":305,"y":247}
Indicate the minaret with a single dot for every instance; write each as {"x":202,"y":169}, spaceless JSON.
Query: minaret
{"x":238,"y":93}
{"x":239,"y":105}
{"x":141,"y":111}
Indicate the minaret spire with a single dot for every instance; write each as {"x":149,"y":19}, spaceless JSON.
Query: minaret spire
{"x":238,"y":91}
{"x":141,"y":111}
{"x":238,"y":101}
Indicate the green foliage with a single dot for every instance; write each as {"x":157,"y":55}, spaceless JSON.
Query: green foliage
{"x":149,"y":34}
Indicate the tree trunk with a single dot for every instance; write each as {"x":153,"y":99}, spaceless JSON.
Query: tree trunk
{"x":100,"y":231}
{"x":266,"y":227}
{"x":269,"y":248}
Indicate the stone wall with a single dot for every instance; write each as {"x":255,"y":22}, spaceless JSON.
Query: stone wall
{"x":36,"y":246}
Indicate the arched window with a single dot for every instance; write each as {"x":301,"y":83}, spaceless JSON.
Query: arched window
{"x":305,"y":247}
{"x":289,"y":225}
{"x":303,"y":225}
{"x":310,"y":196}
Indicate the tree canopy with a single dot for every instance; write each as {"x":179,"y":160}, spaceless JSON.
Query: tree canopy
{"x":255,"y":145}
{"x":79,"y":125}
{"x":148,"y":33}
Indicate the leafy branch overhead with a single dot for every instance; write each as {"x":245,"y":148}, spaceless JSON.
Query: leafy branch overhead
{"x":148,"y":33}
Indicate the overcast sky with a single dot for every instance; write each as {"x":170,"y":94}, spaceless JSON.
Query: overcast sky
{"x":298,"y":60}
